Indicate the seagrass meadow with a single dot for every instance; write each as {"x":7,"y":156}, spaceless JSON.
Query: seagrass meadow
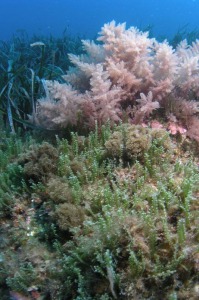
{"x":101,"y":210}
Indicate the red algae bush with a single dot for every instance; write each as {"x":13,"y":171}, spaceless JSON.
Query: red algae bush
{"x":126,"y":75}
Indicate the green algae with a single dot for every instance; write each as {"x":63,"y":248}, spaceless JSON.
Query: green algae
{"x":95,"y":223}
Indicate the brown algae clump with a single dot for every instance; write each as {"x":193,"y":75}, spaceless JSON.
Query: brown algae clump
{"x":39,"y":162}
{"x":130,"y":142}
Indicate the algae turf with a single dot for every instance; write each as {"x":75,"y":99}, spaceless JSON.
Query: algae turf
{"x":111,"y":215}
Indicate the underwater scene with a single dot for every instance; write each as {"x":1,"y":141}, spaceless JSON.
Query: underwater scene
{"x":99,"y":150}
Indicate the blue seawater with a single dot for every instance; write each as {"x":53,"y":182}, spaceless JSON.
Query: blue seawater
{"x":86,"y":17}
